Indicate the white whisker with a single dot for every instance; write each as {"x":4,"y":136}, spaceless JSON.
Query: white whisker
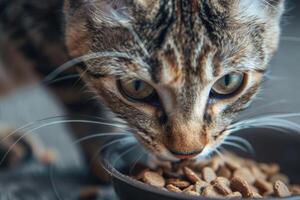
{"x":241,"y":140}
{"x":100,"y":135}
{"x":123,"y":139}
{"x":83,"y":58}
{"x":123,"y":154}
{"x":236,"y":145}
{"x":290,"y":38}
{"x":220,"y":154}
{"x":135,"y":162}
{"x":63,"y":78}
{"x":46,"y":125}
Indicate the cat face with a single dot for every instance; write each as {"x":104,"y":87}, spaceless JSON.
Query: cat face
{"x":177,"y":71}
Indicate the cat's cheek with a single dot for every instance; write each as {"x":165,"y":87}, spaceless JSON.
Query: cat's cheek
{"x":155,"y":147}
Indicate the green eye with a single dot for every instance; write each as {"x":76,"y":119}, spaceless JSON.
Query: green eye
{"x":228,"y":84}
{"x":136,"y":89}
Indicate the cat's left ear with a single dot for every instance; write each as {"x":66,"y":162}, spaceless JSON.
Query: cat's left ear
{"x":101,"y":11}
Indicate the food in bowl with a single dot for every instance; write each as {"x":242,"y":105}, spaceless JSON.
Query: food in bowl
{"x":229,"y":176}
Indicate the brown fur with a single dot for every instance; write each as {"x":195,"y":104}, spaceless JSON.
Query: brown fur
{"x":193,"y":45}
{"x":181,"y":48}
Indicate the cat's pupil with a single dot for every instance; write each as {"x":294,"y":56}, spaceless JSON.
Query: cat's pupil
{"x":137,"y":85}
{"x":227,"y":80}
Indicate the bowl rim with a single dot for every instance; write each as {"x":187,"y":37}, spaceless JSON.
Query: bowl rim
{"x":115,"y":174}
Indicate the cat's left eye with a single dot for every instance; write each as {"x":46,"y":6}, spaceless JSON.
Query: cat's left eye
{"x":136,"y":89}
{"x":228,"y":84}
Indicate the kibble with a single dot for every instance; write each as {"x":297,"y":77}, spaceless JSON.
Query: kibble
{"x":154,"y":179}
{"x":191,"y":175}
{"x":232,"y":178}
{"x":281,"y":190}
{"x":208,"y":174}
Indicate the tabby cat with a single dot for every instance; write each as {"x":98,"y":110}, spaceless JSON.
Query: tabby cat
{"x":177,"y":71}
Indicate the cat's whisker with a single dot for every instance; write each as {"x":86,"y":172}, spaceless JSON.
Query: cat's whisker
{"x":25,"y":126}
{"x":259,"y":108}
{"x":220,"y":154}
{"x":78,"y":60}
{"x":139,"y":157}
{"x":139,"y":41}
{"x":67,"y":77}
{"x":290,"y":38}
{"x":235,"y":145}
{"x":270,"y":5}
{"x":51,"y":124}
{"x":97,"y":135}
{"x":241,"y":140}
{"x":103,"y":147}
{"x":123,"y":154}
{"x":273,"y":117}
{"x":128,"y":139}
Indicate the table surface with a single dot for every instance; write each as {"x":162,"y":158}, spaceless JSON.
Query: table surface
{"x":29,"y":104}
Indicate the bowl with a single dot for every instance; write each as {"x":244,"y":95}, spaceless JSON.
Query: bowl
{"x":269,"y":145}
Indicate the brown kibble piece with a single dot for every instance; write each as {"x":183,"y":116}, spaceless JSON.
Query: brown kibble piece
{"x":235,"y":177}
{"x":224,"y":172}
{"x":256,"y":195}
{"x":154,"y":179}
{"x":232,"y":164}
{"x":190,"y":188}
{"x":281,"y":190}
{"x":246,"y":174}
{"x":269,"y":169}
{"x":140,"y":175}
{"x":208,"y":174}
{"x":191,"y":175}
{"x":199,"y":186}
{"x":210,"y":191}
{"x":222,"y":185}
{"x":234,"y":195}
{"x":178,"y":183}
{"x":216,"y":163}
{"x":173,"y":188}
{"x":257,"y":173}
{"x":242,"y":186}
{"x":263,"y":186}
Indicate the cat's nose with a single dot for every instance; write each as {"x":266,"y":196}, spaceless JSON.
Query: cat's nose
{"x":185,"y":144}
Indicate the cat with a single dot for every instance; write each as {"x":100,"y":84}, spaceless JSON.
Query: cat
{"x":178,"y":72}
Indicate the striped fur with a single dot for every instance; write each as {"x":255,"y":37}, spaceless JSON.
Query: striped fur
{"x":181,"y":48}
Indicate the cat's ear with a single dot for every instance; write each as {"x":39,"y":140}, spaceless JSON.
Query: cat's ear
{"x":104,"y":11}
{"x":262,"y":9}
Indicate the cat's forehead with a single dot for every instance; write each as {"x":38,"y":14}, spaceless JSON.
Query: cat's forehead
{"x":188,"y":32}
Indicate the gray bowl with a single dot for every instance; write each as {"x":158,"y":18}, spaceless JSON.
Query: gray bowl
{"x":269,"y":145}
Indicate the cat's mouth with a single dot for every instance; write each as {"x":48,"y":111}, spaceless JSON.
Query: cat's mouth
{"x":186,"y":155}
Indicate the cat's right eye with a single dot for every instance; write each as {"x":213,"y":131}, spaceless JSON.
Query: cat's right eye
{"x":137,"y":90}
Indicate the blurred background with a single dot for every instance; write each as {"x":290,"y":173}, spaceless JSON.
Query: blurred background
{"x":33,"y":102}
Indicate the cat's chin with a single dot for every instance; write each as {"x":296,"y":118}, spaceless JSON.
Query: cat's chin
{"x":167,"y":156}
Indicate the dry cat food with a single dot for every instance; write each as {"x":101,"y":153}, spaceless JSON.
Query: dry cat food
{"x":227,"y":177}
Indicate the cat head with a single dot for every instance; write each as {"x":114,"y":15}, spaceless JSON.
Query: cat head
{"x":178,"y":72}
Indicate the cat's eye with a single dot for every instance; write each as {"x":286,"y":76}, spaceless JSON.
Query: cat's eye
{"x":228,"y":84}
{"x":135,"y":89}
